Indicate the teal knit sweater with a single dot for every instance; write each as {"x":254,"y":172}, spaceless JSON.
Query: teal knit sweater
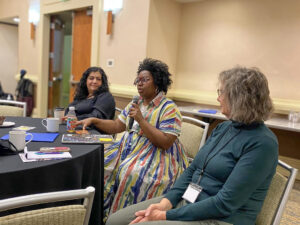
{"x":239,"y":170}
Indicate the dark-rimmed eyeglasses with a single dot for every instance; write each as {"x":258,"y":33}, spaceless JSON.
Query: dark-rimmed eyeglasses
{"x":142,"y":80}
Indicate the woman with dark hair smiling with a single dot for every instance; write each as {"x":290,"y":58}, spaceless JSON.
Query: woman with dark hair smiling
{"x":149,"y":157}
{"x":92,"y":96}
{"x":228,"y":180}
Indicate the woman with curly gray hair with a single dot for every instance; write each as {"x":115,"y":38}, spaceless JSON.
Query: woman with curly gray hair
{"x":247,"y":95}
{"x":229,"y":178}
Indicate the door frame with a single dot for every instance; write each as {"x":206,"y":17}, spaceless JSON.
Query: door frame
{"x":44,"y":36}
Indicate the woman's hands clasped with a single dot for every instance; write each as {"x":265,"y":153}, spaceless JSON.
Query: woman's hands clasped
{"x":153,"y":212}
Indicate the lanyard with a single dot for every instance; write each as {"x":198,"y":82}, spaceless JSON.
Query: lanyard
{"x":206,"y":161}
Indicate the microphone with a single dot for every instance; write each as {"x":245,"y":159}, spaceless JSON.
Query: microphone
{"x":134,"y":100}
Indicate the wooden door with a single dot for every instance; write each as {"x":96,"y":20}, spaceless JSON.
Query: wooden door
{"x":55,"y":58}
{"x":81,"y":46}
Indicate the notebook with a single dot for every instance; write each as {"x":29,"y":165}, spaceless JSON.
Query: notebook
{"x":87,"y":139}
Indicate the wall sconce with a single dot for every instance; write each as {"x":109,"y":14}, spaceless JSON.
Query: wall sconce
{"x":32,"y":31}
{"x":33,"y":18}
{"x":111,"y":7}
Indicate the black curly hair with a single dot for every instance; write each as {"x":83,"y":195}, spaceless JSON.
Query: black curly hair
{"x":82,"y":91}
{"x":159,"y":71}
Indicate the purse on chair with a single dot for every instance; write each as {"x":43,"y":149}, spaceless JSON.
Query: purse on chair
{"x":7,"y":148}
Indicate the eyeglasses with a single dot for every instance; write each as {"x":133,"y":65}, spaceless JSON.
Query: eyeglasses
{"x":143,"y":80}
{"x":220,"y":92}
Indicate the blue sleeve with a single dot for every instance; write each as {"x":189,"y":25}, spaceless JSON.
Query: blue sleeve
{"x":256,"y":165}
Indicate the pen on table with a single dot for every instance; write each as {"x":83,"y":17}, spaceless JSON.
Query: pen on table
{"x":54,"y":149}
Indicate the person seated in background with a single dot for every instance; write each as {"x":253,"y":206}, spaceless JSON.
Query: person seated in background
{"x":149,"y":157}
{"x":92,"y":96}
{"x":228,"y":180}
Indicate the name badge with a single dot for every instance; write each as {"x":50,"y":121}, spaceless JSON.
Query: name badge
{"x":192,"y":192}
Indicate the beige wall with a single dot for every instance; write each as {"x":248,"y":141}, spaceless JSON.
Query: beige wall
{"x":8,"y":57}
{"x":219,"y":34}
{"x":163,"y":32}
{"x":197,"y":40}
{"x":127,"y":44}
{"x":28,"y":51}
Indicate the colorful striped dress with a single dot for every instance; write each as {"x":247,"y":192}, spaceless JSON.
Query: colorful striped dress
{"x":135,"y":169}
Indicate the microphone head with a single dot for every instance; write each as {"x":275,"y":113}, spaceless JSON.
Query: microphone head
{"x":135,"y":99}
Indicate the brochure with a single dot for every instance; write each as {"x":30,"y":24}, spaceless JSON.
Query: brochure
{"x":48,"y":155}
{"x":32,"y":156}
{"x":24,"y":128}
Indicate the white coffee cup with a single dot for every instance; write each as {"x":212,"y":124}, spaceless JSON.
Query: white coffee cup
{"x":293,"y":117}
{"x":59,"y":113}
{"x":52,"y":124}
{"x":17,"y":138}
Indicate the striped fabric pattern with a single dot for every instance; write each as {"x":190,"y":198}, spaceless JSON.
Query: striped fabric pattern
{"x":135,"y":169}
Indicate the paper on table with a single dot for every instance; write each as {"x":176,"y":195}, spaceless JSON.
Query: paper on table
{"x":24,"y":159}
{"x":25,"y":128}
{"x":48,"y":155}
{"x":36,"y":156}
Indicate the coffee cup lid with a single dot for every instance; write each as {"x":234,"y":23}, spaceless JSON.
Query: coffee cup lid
{"x":59,"y":108}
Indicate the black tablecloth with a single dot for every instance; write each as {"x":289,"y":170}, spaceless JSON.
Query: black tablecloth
{"x":85,"y":168}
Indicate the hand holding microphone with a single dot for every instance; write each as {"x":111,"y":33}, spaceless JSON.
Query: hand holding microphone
{"x":131,"y":120}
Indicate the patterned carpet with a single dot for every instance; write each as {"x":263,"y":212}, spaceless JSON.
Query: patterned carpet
{"x":291,"y":215}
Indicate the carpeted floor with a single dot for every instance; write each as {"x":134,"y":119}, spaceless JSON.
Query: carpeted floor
{"x":291,"y":215}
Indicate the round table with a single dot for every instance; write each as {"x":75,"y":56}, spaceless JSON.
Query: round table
{"x":85,"y":168}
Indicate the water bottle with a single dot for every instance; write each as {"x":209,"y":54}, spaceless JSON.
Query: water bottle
{"x":71,"y":119}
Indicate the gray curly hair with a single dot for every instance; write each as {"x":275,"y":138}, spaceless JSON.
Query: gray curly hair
{"x":247,"y":93}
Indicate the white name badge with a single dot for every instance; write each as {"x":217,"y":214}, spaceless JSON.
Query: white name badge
{"x":192,"y":192}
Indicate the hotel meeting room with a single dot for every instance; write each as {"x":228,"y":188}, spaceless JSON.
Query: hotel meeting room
{"x":55,"y":41}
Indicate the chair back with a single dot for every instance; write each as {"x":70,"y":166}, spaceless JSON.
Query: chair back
{"x":277,"y":196}
{"x":75,"y":214}
{"x":193,"y":135}
{"x":12,"y":108}
{"x":118,"y":111}
{"x":65,"y":215}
